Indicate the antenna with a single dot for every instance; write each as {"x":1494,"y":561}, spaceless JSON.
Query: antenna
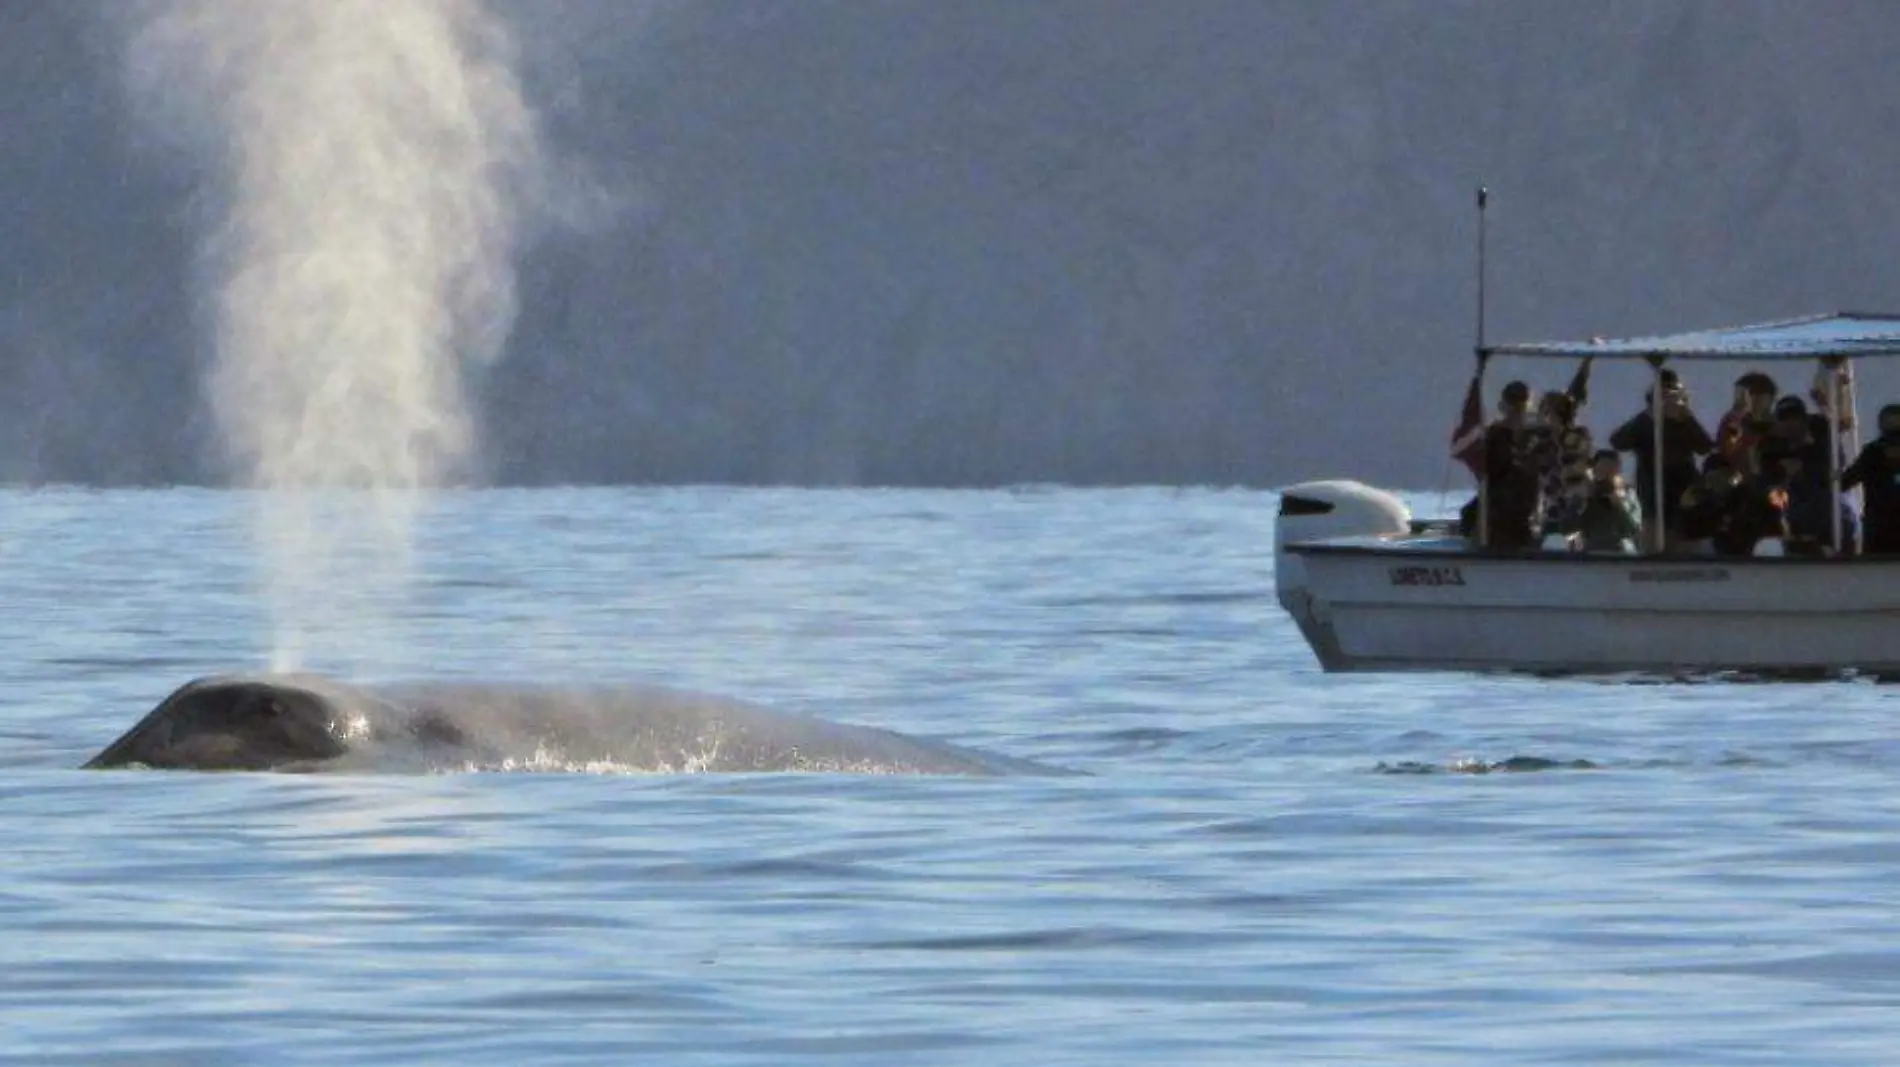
{"x":1484,"y":196}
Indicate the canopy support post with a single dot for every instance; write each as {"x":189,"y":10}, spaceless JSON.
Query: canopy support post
{"x":1484,"y":442}
{"x":1484,"y":470}
{"x":1658,"y":536}
{"x":1832,"y":367}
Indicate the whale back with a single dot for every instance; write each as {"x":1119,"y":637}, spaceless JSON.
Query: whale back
{"x":312,"y":723}
{"x":651,"y":728}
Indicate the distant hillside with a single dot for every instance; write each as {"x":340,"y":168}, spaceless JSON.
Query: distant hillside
{"x":990,"y":241}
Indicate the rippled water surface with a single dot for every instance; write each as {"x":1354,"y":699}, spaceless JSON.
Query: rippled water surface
{"x":1262,"y":864}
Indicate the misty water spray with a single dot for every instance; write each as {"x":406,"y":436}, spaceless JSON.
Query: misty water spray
{"x":368,"y":159}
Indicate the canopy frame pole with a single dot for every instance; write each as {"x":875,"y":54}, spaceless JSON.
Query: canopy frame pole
{"x":1658,"y":536}
{"x":1831,"y":365}
{"x":1484,"y":470}
{"x":1852,"y":404}
{"x":1484,"y":441}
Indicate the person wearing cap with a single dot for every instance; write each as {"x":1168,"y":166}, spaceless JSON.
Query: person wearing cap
{"x":1877,"y":472}
{"x":1510,"y":496}
{"x":1796,"y":456}
{"x":1683,"y":439}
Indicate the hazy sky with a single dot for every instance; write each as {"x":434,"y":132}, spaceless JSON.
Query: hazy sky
{"x":989,"y":241}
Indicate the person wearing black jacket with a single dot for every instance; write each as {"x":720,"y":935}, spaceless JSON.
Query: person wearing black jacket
{"x":1877,"y":471}
{"x":1733,"y":511}
{"x":1511,"y":489}
{"x":1795,"y":456}
{"x":1683,"y":439}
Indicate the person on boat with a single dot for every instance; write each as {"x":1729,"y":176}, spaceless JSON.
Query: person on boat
{"x":1560,"y":449}
{"x":1739,"y":435}
{"x":1608,"y":517}
{"x":1467,"y":438}
{"x":1683,"y":439}
{"x":1797,"y":458}
{"x":1876,"y":471}
{"x":1708,"y":505}
{"x":1728,"y":512}
{"x":1832,"y":386}
{"x":1510,"y":497}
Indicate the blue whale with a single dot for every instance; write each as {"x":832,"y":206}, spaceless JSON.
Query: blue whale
{"x":309,"y":722}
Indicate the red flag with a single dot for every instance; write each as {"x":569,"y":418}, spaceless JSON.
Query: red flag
{"x":1467,"y":438}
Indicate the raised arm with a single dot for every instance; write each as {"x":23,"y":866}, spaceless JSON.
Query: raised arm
{"x":1580,"y":384}
{"x":1631,"y":435}
{"x":1467,"y":437}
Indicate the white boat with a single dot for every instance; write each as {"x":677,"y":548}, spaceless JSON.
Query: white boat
{"x":1371,"y":589}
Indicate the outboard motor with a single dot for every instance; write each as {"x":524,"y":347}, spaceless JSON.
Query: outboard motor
{"x":1312,"y":511}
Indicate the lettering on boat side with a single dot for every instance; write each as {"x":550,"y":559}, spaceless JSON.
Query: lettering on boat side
{"x":1681,"y":574}
{"x":1426,"y":576}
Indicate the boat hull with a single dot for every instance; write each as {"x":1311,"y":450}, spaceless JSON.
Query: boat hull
{"x":1432,"y":604}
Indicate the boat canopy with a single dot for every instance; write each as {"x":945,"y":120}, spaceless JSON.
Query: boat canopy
{"x":1847,"y":334}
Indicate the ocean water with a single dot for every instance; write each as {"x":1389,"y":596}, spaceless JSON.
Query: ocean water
{"x":1261,"y":863}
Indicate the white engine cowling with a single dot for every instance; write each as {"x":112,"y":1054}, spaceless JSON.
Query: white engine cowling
{"x":1312,"y":511}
